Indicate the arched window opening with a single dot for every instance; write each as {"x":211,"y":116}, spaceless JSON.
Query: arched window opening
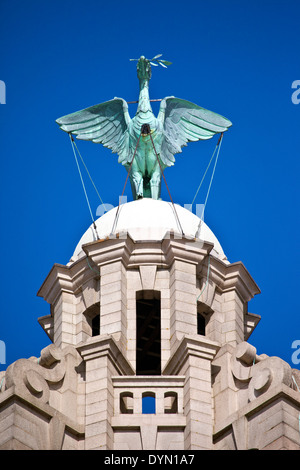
{"x":96,"y":325}
{"x":171,"y":403}
{"x":92,"y":315}
{"x":204,"y":315}
{"x":148,"y":403}
{"x":148,"y":333}
{"x":201,"y":323}
{"x":126,"y":402}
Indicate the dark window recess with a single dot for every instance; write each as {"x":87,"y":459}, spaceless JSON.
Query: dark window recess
{"x":96,"y":325}
{"x":126,"y":403}
{"x":200,"y":324}
{"x":148,"y":337}
{"x":171,"y":402}
{"x":92,"y":318}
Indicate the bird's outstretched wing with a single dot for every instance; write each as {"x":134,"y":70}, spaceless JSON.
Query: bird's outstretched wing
{"x":106,"y":123}
{"x":185,"y":122}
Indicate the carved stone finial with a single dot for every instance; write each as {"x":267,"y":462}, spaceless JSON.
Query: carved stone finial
{"x":34,"y":377}
{"x":261,"y":372}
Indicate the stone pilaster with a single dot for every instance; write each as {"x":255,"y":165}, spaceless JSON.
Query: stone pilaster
{"x":233,"y":318}
{"x":65,"y":320}
{"x":103,"y":359}
{"x":113,"y":301}
{"x":183,"y":305}
{"x":193,"y":360}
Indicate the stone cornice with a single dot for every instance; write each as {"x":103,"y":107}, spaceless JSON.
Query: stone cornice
{"x":176,"y":421}
{"x":238,"y":277}
{"x":68,"y":278}
{"x":231,"y":276}
{"x":132,"y":254}
{"x":280,"y":392}
{"x":142,"y":381}
{"x":47,"y":323}
{"x":136,"y":253}
{"x":176,"y":247}
{"x":251,"y":321}
{"x":109,"y":250}
{"x":105,"y":345}
{"x":191,"y":346}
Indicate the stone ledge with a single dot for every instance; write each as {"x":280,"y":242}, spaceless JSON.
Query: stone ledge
{"x":47,"y":323}
{"x":148,"y":381}
{"x":13,"y":395}
{"x":137,"y":420}
{"x":105,"y":345}
{"x":197,"y":345}
{"x":280,"y":391}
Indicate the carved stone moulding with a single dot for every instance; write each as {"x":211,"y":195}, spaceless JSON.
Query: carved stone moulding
{"x":28,"y":384}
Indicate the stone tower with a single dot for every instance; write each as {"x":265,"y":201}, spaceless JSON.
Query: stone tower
{"x":146,"y":316}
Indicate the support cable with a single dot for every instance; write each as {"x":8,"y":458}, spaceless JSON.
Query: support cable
{"x":214,"y":169}
{"x":210,"y":183}
{"x":218,"y":146}
{"x":207,"y":168}
{"x":89,"y":175}
{"x":293,"y":378}
{"x":166,"y":184}
{"x":83,"y":185}
{"x":120,"y":199}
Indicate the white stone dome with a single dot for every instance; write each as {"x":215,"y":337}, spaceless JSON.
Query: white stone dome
{"x":149,"y":219}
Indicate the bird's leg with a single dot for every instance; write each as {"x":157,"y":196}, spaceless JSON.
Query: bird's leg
{"x":155,"y":183}
{"x":133,"y":188}
{"x":136,"y":179}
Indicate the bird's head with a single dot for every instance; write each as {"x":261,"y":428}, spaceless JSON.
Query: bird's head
{"x":143,"y":68}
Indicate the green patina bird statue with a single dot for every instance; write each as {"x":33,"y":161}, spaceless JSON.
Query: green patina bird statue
{"x":146,"y":144}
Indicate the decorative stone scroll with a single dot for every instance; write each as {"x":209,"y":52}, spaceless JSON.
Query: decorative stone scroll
{"x":34,"y":375}
{"x":261,"y":372}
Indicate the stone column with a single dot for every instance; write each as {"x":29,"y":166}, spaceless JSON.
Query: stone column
{"x":65,"y":320}
{"x":113,"y":301}
{"x":183,"y":305}
{"x":137,"y":402}
{"x":192,"y":358}
{"x":162,"y":284}
{"x":233,"y":318}
{"x":103,"y":360}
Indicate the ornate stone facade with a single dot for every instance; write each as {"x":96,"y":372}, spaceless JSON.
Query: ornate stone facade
{"x":212,"y":391}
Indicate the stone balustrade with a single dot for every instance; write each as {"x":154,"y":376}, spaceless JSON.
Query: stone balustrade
{"x":129,"y":392}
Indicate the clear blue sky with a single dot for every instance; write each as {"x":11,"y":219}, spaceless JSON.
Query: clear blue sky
{"x":236,"y":58}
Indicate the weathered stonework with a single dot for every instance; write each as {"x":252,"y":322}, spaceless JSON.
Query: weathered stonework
{"x":214,"y":390}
